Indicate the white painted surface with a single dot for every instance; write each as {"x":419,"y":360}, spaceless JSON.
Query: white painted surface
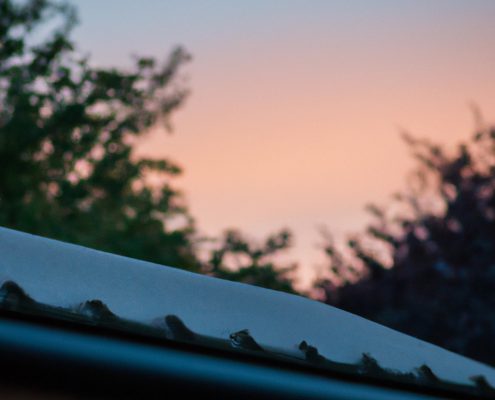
{"x":62,"y":274}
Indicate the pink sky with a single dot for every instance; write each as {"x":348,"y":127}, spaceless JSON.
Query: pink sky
{"x":295,"y":111}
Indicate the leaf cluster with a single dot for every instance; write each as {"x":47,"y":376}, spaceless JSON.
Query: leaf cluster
{"x":67,"y":131}
{"x":240,"y":259}
{"x":439,"y":237}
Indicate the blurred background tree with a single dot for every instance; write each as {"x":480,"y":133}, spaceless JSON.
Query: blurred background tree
{"x":426,"y":266}
{"x":68,"y":170}
{"x":66,"y":135}
{"x":237,"y":258}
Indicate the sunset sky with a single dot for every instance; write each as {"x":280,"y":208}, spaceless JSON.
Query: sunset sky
{"x":296,"y":106}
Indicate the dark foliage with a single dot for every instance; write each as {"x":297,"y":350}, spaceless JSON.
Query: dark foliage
{"x":441,"y":243}
{"x":66,"y":134}
{"x":68,"y":170}
{"x":239,"y":259}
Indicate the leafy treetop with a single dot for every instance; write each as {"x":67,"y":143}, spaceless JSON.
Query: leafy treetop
{"x":66,"y":135}
{"x":439,"y":239}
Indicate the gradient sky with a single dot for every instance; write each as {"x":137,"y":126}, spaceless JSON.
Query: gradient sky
{"x":296,"y":106}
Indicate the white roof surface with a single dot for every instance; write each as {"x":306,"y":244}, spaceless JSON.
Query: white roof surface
{"x":62,"y":274}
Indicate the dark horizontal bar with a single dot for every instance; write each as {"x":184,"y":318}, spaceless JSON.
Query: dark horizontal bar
{"x":56,"y":360}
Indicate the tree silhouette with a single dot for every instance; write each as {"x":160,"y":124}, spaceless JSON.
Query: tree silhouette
{"x":66,"y":136}
{"x":441,"y":244}
{"x":239,"y":259}
{"x":67,"y":132}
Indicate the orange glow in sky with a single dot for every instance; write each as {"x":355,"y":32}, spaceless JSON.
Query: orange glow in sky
{"x":296,"y":107}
